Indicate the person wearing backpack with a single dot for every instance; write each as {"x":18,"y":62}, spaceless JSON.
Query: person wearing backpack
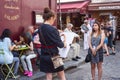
{"x":6,"y":44}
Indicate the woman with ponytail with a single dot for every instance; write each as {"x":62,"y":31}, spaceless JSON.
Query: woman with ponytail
{"x":50,"y":41}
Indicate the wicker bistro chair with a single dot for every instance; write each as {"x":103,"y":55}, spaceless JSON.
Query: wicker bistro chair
{"x":8,"y":67}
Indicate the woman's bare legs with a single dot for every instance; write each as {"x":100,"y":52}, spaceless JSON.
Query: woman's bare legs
{"x":99,"y":66}
{"x":61,"y":74}
{"x":48,"y":76}
{"x":93,"y":66}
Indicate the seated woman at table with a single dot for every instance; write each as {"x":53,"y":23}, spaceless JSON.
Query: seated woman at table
{"x":21,"y":40}
{"x":27,"y":56}
{"x":8,"y":47}
{"x":18,"y":43}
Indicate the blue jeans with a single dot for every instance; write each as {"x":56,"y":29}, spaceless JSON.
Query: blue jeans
{"x":37,"y":51}
{"x":15,"y":53}
{"x":16,"y":65}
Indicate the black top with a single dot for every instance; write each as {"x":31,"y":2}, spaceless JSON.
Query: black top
{"x":110,"y":29}
{"x":52,"y":39}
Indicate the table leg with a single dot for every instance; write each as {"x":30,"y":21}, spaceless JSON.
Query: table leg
{"x":21,"y":68}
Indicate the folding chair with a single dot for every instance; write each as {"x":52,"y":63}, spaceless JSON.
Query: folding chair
{"x":1,"y":75}
{"x":10,"y":71}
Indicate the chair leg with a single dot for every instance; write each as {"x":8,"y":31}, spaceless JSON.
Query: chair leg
{"x":2,"y":70}
{"x":10,"y":71}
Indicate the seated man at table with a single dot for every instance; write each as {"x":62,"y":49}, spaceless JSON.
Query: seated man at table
{"x":27,"y":56}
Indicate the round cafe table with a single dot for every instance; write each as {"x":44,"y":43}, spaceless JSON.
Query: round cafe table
{"x":21,"y":50}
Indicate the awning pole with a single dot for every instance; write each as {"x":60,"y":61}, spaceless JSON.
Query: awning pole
{"x":60,"y":16}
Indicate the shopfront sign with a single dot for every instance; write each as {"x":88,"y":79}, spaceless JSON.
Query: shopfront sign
{"x":108,"y":7}
{"x":64,"y":1}
{"x":103,"y":1}
{"x":73,"y":10}
{"x":11,"y":9}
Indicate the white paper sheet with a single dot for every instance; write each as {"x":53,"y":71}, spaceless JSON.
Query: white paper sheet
{"x":69,"y":38}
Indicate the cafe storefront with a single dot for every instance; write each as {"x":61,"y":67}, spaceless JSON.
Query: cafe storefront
{"x":104,"y":12}
{"x":17,"y":15}
{"x":72,"y":12}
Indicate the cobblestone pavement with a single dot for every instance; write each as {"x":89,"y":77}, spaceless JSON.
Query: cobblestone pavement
{"x":111,"y":68}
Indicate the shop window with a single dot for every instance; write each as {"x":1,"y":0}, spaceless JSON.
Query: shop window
{"x":37,"y":17}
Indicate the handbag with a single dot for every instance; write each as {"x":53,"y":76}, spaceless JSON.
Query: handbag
{"x":88,"y":57}
{"x":56,"y":60}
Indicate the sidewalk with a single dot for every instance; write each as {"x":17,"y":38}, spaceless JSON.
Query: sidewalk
{"x":38,"y":74}
{"x":67,"y":64}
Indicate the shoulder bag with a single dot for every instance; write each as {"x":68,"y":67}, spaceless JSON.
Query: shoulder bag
{"x":88,"y":56}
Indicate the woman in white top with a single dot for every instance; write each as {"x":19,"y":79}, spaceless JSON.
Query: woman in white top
{"x":8,"y":58}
